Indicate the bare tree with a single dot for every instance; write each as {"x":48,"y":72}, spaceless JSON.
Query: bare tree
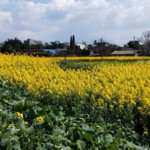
{"x":145,"y":39}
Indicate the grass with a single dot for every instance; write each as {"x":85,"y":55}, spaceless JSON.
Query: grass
{"x":84,"y":64}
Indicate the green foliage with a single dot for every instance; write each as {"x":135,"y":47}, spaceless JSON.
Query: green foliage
{"x":134,"y":44}
{"x":36,"y":46}
{"x":54,"y":45}
{"x":12,"y":46}
{"x":64,"y":126}
{"x":70,"y":64}
{"x":72,"y":46}
{"x":72,"y":42}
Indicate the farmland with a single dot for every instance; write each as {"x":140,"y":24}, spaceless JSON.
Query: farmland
{"x":74,"y":103}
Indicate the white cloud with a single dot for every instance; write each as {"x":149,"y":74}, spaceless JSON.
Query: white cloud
{"x":26,"y":34}
{"x":61,"y":4}
{"x":88,"y":19}
{"x":3,"y":2}
{"x":5,"y":19}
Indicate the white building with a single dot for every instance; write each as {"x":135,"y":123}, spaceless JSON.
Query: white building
{"x":83,"y":46}
{"x":32,"y":42}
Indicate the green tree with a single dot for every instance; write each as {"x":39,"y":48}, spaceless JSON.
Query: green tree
{"x":12,"y":46}
{"x":94,"y":43}
{"x":72,"y":45}
{"x":36,"y":46}
{"x":134,"y":44}
{"x":73,"y":41}
{"x":54,"y":45}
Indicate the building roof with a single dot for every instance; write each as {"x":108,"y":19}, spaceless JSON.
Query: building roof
{"x":124,"y":52}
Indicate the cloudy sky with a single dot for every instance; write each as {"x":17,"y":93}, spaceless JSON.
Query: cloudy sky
{"x":116,"y":21}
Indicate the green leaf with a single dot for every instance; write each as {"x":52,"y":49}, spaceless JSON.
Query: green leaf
{"x":16,"y":147}
{"x":108,"y":139}
{"x":88,"y":136}
{"x":81,"y":144}
{"x":4,"y":83}
{"x":113,"y":147}
{"x":66,"y":148}
{"x":14,"y":131}
{"x":87,"y":128}
{"x":132,"y":146}
{"x":58,"y":131}
{"x":4,"y":141}
{"x":39,"y":146}
{"x":49,"y":121}
{"x":62,"y":138}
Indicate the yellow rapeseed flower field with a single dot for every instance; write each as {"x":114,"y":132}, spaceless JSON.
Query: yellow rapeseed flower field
{"x":104,"y":58}
{"x":123,"y":85}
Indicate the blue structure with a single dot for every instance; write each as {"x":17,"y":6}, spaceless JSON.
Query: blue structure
{"x":51,"y":50}
{"x":54,"y":51}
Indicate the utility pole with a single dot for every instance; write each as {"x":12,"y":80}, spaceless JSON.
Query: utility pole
{"x":102,"y":48}
{"x":134,"y":45}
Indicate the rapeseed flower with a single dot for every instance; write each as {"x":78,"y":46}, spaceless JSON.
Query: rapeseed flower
{"x":119,"y":85}
{"x":39,"y":119}
{"x":26,"y":123}
{"x":10,"y":126}
{"x":111,"y":106}
{"x":145,"y":133}
{"x":19,"y":115}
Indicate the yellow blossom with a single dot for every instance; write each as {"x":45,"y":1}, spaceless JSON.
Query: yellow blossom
{"x":149,"y":113}
{"x":39,"y":119}
{"x":121,"y":85}
{"x":145,"y":133}
{"x":111,"y":106}
{"x":115,"y":102}
{"x":101,"y":107}
{"x":19,"y":115}
{"x":26,"y":123}
{"x":121,"y":106}
{"x":10,"y":126}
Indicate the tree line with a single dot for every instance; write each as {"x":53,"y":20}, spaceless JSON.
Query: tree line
{"x":142,"y":44}
{"x":17,"y":46}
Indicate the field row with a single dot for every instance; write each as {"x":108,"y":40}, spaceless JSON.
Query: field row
{"x":123,"y":85}
{"x":46,"y":106}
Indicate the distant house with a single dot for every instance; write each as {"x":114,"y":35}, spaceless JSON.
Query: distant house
{"x":92,"y":52}
{"x":97,"y":49}
{"x":30,"y":42}
{"x":125,"y":52}
{"x":83,"y":46}
{"x":100,"y":46}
